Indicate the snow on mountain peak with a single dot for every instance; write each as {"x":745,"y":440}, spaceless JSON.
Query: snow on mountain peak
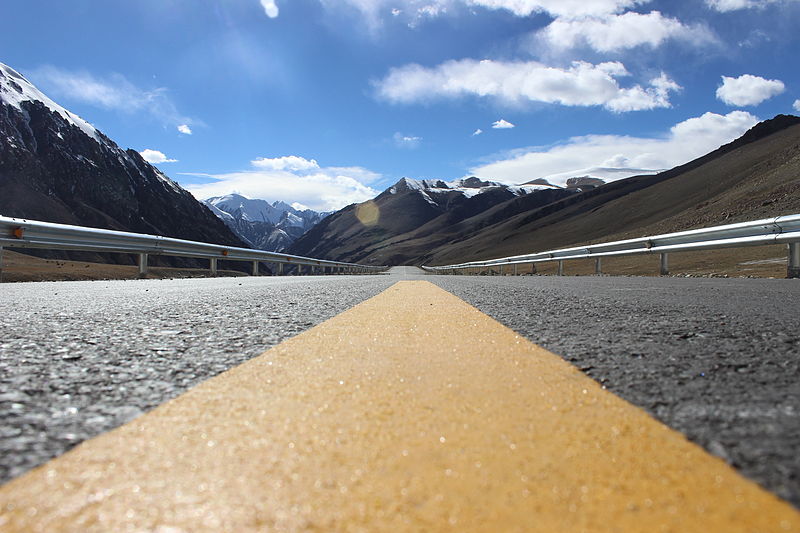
{"x":469,"y":187}
{"x":15,"y":89}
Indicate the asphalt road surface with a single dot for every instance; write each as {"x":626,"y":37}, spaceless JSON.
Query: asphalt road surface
{"x":714,"y":358}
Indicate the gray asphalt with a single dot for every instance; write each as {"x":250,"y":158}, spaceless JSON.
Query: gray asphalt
{"x":718,"y":359}
{"x":80,"y":358}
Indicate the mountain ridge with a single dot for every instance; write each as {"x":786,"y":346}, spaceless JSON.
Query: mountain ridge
{"x":532,"y":222}
{"x":271,"y":227}
{"x":56,"y":167}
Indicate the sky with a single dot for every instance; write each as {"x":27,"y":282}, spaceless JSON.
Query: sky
{"x":328,"y":102}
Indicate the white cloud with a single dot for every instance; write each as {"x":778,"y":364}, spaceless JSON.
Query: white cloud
{"x":582,"y":84}
{"x":155,"y":157}
{"x":185,"y":129}
{"x":289,"y":162}
{"x":734,"y":5}
{"x":374,"y":11}
{"x":611,"y":33}
{"x":406,"y":141}
{"x":613,"y":156}
{"x":797,"y":105}
{"x":270,"y":8}
{"x":567,"y":8}
{"x":748,"y":90}
{"x":293,"y":179}
{"x":477,"y":132}
{"x":502,"y":124}
{"x":112,"y":92}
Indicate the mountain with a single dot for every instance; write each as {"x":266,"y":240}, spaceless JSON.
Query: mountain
{"x":756,"y":176}
{"x":412,"y":216}
{"x":432,"y":222}
{"x":272,"y":227}
{"x":56,"y":167}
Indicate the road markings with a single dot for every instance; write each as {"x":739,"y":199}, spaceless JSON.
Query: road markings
{"x":412,"y":411}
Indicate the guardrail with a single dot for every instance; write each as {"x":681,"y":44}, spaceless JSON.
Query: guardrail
{"x":23,"y":233}
{"x":778,"y":230}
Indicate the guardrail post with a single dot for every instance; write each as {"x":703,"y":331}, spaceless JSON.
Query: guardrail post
{"x":515,"y":269}
{"x":213,"y":266}
{"x":142,"y":265}
{"x":664,"y":270}
{"x":793,"y":270}
{"x":501,"y":270}
{"x":561,"y":268}
{"x":598,"y":265}
{"x":255,"y":268}
{"x":533,"y":269}
{"x":1,"y":264}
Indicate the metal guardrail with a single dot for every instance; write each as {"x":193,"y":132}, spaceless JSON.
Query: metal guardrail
{"x":23,"y":233}
{"x":778,"y":230}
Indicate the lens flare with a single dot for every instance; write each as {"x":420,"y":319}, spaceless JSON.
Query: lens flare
{"x":368,"y":213}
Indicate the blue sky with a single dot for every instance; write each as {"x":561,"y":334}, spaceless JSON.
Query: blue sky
{"x":327,"y":102}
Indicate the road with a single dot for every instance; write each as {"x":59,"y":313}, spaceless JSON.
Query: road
{"x":713,"y":358}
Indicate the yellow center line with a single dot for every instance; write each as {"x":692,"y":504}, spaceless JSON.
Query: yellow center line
{"x":412,"y":411}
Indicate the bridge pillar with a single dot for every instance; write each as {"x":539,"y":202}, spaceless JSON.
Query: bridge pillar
{"x":793,"y":270}
{"x":598,"y":265}
{"x":664,"y":269}
{"x":213,"y":266}
{"x":142,"y":265}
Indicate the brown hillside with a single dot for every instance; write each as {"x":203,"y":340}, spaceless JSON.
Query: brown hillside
{"x":756,"y":176}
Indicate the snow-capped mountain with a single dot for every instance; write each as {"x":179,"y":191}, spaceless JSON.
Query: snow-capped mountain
{"x":413,"y":215}
{"x":466,"y":187}
{"x":273,"y":227}
{"x":56,"y":167}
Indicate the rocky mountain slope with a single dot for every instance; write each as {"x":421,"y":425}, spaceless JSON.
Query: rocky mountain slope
{"x":411,"y":216}
{"x":755,"y":176}
{"x":56,"y":167}
{"x":272,"y":227}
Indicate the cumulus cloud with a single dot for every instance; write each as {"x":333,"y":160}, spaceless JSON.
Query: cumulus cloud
{"x":582,"y":84}
{"x":611,"y":33}
{"x":290,"y":162}
{"x":502,"y":125}
{"x":748,"y":90}
{"x":406,"y":141}
{"x":185,"y":129}
{"x":797,"y":105}
{"x":613,"y":156}
{"x":113,"y":92}
{"x":270,"y":8}
{"x":291,"y":179}
{"x":735,"y":5}
{"x":479,"y":131}
{"x":155,"y":157}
